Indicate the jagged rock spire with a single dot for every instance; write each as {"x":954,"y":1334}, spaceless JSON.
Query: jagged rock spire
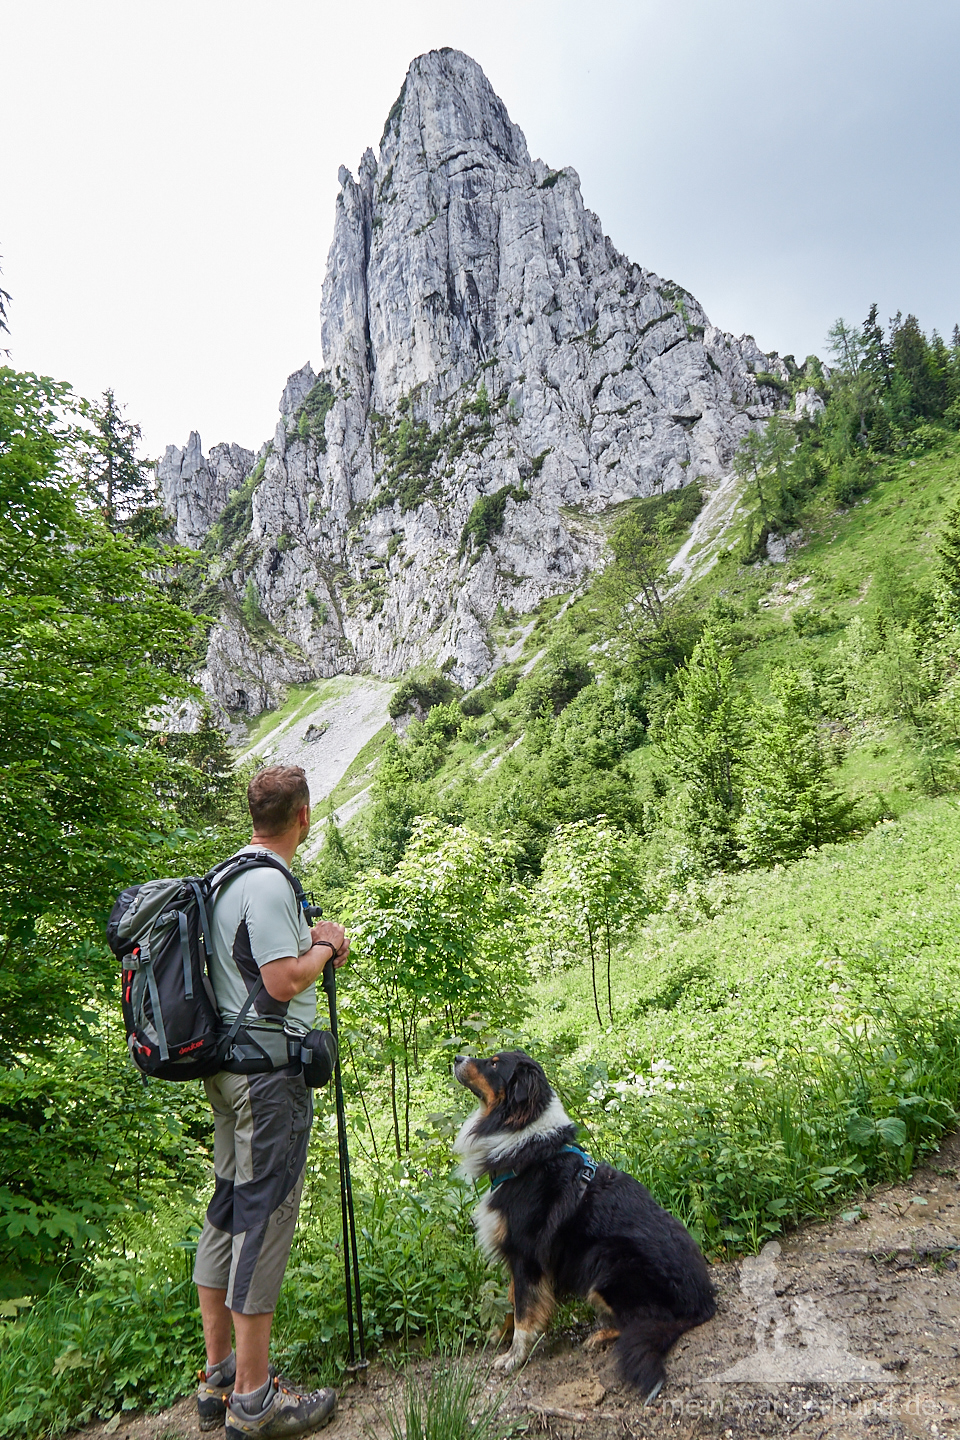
{"x":480,"y":334}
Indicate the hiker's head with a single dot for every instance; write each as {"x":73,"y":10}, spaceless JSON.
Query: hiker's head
{"x":279,"y":800}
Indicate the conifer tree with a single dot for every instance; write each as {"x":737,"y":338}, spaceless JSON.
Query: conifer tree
{"x":4,"y":302}
{"x":704,"y":739}
{"x":919,"y":388}
{"x":875,"y":352}
{"x":113,"y":473}
{"x":789,"y":801}
{"x":948,"y":558}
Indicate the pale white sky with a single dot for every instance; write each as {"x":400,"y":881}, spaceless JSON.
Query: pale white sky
{"x":170,"y":166}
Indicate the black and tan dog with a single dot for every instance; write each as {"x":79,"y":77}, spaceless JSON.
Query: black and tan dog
{"x":564,"y":1225}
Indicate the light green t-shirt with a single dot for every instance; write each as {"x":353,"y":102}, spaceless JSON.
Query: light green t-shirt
{"x":256,"y":919}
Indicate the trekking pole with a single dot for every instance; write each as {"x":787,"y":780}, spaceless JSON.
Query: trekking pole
{"x":350,"y":1257}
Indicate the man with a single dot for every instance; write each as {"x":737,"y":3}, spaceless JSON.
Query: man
{"x":262,"y":1124}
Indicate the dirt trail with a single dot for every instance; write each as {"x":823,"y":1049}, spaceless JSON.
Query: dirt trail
{"x":847,"y":1329}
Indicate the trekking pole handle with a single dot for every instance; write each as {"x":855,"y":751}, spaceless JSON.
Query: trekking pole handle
{"x":330,"y":978}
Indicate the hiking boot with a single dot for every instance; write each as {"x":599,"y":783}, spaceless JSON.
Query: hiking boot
{"x":287,"y":1411}
{"x":213,"y":1392}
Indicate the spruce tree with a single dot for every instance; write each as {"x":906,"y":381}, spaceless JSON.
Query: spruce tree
{"x":114,"y":475}
{"x":948,"y":559}
{"x":789,"y":801}
{"x":876,"y":352}
{"x":919,"y":386}
{"x":704,"y":739}
{"x":4,"y":302}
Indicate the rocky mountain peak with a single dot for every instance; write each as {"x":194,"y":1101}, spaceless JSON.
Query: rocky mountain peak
{"x":452,"y":164}
{"x":488,"y":356}
{"x":448,"y":113}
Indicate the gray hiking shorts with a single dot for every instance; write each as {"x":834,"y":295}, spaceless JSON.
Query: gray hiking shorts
{"x":261,"y":1131}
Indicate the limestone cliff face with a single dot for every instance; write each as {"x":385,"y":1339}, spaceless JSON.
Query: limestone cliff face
{"x":495,"y":377}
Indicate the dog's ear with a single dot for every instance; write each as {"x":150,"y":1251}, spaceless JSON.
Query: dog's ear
{"x":528,"y":1094}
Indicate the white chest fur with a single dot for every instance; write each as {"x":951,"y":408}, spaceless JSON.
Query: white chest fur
{"x":479,"y":1152}
{"x":490,"y":1226}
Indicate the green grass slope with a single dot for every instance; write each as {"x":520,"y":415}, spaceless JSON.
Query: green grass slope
{"x":799,"y":1042}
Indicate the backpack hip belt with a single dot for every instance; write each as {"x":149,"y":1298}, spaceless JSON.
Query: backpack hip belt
{"x":256,"y":1048}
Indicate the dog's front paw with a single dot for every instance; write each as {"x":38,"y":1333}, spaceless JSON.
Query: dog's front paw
{"x":506,"y":1364}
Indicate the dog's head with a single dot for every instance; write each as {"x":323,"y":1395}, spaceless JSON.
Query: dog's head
{"x":511,"y":1087}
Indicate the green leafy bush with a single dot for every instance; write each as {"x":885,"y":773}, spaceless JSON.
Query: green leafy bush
{"x":128,"y":1338}
{"x":236,"y":518}
{"x":674,"y":510}
{"x":421,"y":690}
{"x":475,"y":703}
{"x":486,"y":518}
{"x":505,"y":682}
{"x":311,"y":418}
{"x":555,"y":683}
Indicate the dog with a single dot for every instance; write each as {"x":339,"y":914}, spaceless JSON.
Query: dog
{"x":562,"y":1224}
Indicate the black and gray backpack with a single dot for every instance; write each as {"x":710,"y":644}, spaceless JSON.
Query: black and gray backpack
{"x":160,"y":933}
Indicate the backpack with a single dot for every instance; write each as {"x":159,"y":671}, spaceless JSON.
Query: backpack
{"x":160,"y":933}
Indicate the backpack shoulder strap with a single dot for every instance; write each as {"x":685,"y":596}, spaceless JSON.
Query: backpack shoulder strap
{"x":236,"y":864}
{"x":207,"y":890}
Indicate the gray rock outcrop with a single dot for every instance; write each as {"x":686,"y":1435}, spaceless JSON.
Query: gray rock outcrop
{"x":195,"y":490}
{"x":496,"y":376}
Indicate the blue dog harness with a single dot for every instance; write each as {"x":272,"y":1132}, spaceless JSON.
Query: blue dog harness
{"x":587,"y":1172}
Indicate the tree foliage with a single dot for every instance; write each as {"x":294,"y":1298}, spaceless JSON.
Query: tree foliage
{"x":120,"y":483}
{"x":4,"y":302}
{"x":888,"y":391}
{"x":649,"y":626}
{"x":436,"y":944}
{"x":789,"y":802}
{"x":703,"y":739}
{"x":89,"y":646}
{"x":94,"y":795}
{"x":590,"y":886}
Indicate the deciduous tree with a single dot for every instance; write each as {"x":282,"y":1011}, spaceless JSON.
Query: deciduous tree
{"x":89,"y":646}
{"x":651,"y":626}
{"x":590,"y":886}
{"x":437,"y":944}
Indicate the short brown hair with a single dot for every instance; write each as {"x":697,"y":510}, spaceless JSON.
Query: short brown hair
{"x":274,"y":796}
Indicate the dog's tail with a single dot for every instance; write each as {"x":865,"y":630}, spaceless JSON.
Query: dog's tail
{"x":644,"y":1341}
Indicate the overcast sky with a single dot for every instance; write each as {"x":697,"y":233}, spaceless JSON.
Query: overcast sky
{"x":170,"y":167}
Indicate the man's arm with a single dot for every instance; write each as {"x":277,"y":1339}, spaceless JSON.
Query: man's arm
{"x":290,"y":976}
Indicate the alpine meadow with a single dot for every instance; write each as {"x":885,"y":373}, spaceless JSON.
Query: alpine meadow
{"x":641,"y":650}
